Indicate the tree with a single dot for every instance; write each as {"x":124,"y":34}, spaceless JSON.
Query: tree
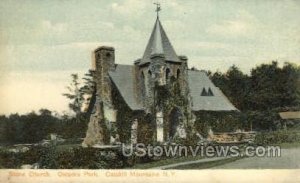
{"x":238,"y":86}
{"x":290,"y":75}
{"x":80,"y":96}
{"x":274,"y":87}
{"x":75,"y":95}
{"x":3,"y":126}
{"x":268,"y":90}
{"x":234,"y":84}
{"x":14,"y":128}
{"x":45,"y":112}
{"x":88,"y":89}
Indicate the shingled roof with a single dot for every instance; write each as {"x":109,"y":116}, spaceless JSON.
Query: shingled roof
{"x":124,"y":80}
{"x":198,"y":81}
{"x":159,"y":44}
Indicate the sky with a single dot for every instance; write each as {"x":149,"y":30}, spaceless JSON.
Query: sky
{"x":43,"y":42}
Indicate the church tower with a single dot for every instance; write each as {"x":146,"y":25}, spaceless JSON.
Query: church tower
{"x":160,"y":67}
{"x":160,"y":62}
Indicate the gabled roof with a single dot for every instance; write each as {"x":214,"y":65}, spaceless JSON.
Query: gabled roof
{"x":123,"y":78}
{"x":159,"y":44}
{"x":217,"y":102}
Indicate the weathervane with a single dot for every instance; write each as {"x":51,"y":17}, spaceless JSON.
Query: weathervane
{"x":158,"y":9}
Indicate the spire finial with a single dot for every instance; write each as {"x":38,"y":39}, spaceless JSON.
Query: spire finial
{"x":158,"y":9}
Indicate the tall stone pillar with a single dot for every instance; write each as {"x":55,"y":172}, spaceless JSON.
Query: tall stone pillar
{"x":103,"y":117}
{"x":159,"y":126}
{"x":134,"y":134}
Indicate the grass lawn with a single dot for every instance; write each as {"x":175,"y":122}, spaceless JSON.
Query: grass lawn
{"x":289,"y":145}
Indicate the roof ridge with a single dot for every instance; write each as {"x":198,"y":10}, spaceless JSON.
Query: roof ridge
{"x":159,"y":44}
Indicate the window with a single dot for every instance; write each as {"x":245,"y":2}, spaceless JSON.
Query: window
{"x":207,"y":93}
{"x":108,"y":54}
{"x":143,"y":84}
{"x":178,"y":73}
{"x":143,"y":77}
{"x":167,"y":73}
{"x":210,"y":93}
{"x":203,"y":93}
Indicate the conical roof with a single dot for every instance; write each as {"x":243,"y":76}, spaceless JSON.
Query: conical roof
{"x":159,"y":44}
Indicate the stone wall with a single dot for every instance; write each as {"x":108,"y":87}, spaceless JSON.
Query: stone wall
{"x":103,"y":115}
{"x":105,"y":62}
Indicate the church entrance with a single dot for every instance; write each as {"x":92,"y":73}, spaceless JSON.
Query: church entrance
{"x":175,"y":119}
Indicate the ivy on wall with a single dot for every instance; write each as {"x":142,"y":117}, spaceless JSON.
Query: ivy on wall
{"x":169,"y":97}
{"x":125,"y":117}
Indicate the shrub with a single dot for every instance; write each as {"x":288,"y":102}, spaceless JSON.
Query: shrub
{"x":72,"y":158}
{"x":277,"y":137}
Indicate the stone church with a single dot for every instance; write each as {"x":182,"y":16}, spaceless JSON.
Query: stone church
{"x":152,"y":101}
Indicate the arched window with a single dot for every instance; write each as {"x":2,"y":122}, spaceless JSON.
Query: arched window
{"x":143,"y":77}
{"x":175,"y":120}
{"x":178,"y":73}
{"x":167,"y":73}
{"x":150,"y":73}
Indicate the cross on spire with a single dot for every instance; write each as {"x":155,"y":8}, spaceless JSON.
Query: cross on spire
{"x":158,"y":9}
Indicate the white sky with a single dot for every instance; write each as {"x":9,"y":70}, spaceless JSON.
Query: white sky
{"x":43,"y":42}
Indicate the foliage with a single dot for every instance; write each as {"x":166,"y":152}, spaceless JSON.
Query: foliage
{"x":170,"y":98}
{"x":277,"y":137}
{"x":146,"y":128}
{"x":124,"y":116}
{"x":80,"y":95}
{"x":219,"y":121}
{"x":268,"y":89}
{"x":234,"y":84}
{"x":263,"y":120}
{"x":268,"y":86}
{"x":72,"y":158}
{"x":33,"y":127}
{"x":88,"y":89}
{"x":75,"y":95}
{"x":274,"y":87}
